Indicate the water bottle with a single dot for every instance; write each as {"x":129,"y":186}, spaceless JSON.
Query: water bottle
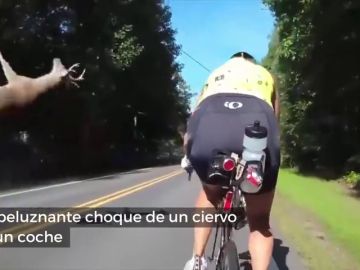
{"x":254,"y":143}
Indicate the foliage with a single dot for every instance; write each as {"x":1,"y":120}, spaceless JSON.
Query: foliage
{"x":324,"y":203}
{"x":132,"y":98}
{"x":352,"y":178}
{"x":125,"y":48}
{"x":314,"y":52}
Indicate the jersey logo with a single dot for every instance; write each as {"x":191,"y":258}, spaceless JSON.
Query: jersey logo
{"x":220,"y":77}
{"x":233,"y":105}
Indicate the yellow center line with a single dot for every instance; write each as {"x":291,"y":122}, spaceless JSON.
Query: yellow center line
{"x":86,"y":204}
{"x":133,"y":191}
{"x":96,"y":202}
{"x":44,"y":225}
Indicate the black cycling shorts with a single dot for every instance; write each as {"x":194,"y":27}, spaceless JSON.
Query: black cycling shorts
{"x":219,"y":123}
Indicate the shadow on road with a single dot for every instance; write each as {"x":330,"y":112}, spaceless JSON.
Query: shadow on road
{"x":280,"y":253}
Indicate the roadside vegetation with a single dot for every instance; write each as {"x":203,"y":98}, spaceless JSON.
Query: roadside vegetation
{"x":129,"y":106}
{"x":313,"y":53}
{"x":320,"y":220}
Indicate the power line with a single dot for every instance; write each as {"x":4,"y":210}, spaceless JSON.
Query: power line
{"x":192,"y":58}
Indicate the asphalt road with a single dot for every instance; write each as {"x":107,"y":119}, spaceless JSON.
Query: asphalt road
{"x":123,"y":248}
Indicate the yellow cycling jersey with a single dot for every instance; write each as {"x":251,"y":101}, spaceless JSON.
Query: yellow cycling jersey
{"x":238,"y":75}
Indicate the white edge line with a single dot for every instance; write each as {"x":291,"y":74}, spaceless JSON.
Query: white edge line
{"x":63,"y":184}
{"x":37,"y":189}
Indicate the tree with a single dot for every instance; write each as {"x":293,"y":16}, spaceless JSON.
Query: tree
{"x":128,"y":49}
{"x":315,"y":59}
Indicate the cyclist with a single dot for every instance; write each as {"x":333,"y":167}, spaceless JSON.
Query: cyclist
{"x":234,"y":96}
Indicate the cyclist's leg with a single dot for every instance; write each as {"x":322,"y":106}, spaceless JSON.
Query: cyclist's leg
{"x":260,"y":239}
{"x":206,"y":199}
{"x":209,"y":197}
{"x":201,"y":234}
{"x":259,"y":205}
{"x":199,"y":155}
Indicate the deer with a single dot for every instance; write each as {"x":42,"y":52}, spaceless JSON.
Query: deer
{"x":21,"y":90}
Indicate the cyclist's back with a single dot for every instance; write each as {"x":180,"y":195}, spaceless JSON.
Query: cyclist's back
{"x":241,"y":76}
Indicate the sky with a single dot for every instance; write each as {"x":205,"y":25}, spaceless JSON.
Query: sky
{"x":210,"y":31}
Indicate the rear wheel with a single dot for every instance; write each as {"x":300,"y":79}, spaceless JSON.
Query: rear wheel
{"x":228,"y":258}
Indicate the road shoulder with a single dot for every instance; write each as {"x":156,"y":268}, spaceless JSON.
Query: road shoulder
{"x":309,"y":237}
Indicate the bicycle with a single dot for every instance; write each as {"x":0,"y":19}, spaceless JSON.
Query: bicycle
{"x":234,"y":202}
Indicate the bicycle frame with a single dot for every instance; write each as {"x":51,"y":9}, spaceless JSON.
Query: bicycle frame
{"x":233,"y":198}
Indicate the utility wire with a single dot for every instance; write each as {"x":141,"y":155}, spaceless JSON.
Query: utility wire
{"x":192,"y":58}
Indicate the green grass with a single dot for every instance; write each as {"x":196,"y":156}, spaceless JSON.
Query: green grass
{"x":329,"y":203}
{"x":315,"y":253}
